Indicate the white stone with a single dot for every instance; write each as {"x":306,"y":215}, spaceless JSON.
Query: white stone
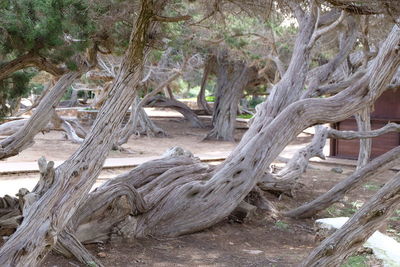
{"x":253,"y":251}
{"x":384,"y":247}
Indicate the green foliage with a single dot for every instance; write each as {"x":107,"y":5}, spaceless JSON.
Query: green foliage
{"x":91,"y":264}
{"x":371,"y":186}
{"x":41,"y":25}
{"x":54,"y":29}
{"x":13,"y":87}
{"x":36,"y":88}
{"x":253,"y":102}
{"x":282,"y":225}
{"x":347,"y":209}
{"x":356,"y":261}
{"x":210,"y":98}
{"x":245,"y":116}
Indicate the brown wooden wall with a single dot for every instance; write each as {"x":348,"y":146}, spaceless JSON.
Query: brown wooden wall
{"x":387,"y":109}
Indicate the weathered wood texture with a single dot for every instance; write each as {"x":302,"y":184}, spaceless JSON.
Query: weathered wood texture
{"x":48,"y":216}
{"x":30,"y":60}
{"x":23,"y":138}
{"x":232,"y":78}
{"x":375,"y":167}
{"x":159,"y":101}
{"x":351,"y":236}
{"x":363,"y":119}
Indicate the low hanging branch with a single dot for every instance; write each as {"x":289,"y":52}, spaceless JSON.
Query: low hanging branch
{"x":30,"y":60}
{"x":345,"y":241}
{"x":160,"y":101}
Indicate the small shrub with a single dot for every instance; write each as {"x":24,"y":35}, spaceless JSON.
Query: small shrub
{"x":356,"y":261}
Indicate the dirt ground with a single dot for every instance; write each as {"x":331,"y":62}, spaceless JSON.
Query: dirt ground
{"x":54,"y":147}
{"x":259,"y":241}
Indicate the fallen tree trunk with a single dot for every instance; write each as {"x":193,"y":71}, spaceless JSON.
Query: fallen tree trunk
{"x":346,"y":240}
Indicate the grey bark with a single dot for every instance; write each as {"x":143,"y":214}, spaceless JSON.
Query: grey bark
{"x":201,"y":97}
{"x":232,"y":78}
{"x":159,"y":101}
{"x":375,"y":167}
{"x":185,"y":199}
{"x":351,"y":236}
{"x":363,"y":119}
{"x":49,"y":215}
{"x":22,"y":139}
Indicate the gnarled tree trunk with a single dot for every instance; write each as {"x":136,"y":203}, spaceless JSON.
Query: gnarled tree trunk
{"x":48,"y":216}
{"x":188,"y":199}
{"x":180,"y":201}
{"x":232,"y":79}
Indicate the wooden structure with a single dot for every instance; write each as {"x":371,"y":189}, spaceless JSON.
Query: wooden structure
{"x":387,"y":109}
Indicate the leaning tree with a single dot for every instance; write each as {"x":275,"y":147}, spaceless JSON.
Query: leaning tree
{"x":177,"y":194}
